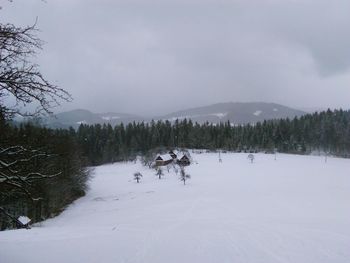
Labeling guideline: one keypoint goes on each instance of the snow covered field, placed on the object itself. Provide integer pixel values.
(295, 209)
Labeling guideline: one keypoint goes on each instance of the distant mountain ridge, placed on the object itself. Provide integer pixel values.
(74, 118)
(235, 112)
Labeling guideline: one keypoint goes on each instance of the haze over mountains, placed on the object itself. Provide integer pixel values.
(236, 113)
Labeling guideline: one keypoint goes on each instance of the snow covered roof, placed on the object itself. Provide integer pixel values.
(24, 220)
(184, 157)
(165, 157)
(174, 152)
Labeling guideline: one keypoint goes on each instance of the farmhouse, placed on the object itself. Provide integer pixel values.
(184, 160)
(173, 154)
(164, 159)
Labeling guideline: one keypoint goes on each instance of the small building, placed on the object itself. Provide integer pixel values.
(184, 160)
(164, 159)
(174, 154)
(23, 222)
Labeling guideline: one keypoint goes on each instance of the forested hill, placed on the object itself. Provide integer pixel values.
(327, 131)
(235, 112)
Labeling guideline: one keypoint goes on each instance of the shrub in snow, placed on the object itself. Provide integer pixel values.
(168, 167)
(184, 176)
(159, 172)
(137, 177)
(251, 157)
(176, 170)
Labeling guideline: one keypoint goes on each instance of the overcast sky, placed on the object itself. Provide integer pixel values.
(152, 56)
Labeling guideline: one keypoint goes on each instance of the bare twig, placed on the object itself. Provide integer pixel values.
(21, 79)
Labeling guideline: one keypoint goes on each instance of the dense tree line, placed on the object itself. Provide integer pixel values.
(41, 172)
(40, 169)
(327, 131)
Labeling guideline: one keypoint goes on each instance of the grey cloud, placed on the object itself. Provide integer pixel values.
(322, 28)
(149, 56)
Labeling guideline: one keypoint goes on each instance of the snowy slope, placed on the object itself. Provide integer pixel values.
(295, 209)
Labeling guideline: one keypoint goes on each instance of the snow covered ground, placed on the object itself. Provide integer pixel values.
(295, 209)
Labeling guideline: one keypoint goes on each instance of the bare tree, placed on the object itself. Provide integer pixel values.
(183, 176)
(251, 157)
(15, 170)
(326, 153)
(137, 177)
(20, 79)
(19, 175)
(21, 82)
(175, 167)
(159, 172)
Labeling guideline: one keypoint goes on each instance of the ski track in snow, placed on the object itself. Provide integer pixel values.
(292, 210)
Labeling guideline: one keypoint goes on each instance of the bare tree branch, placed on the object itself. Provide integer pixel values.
(20, 79)
(16, 171)
(22, 84)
